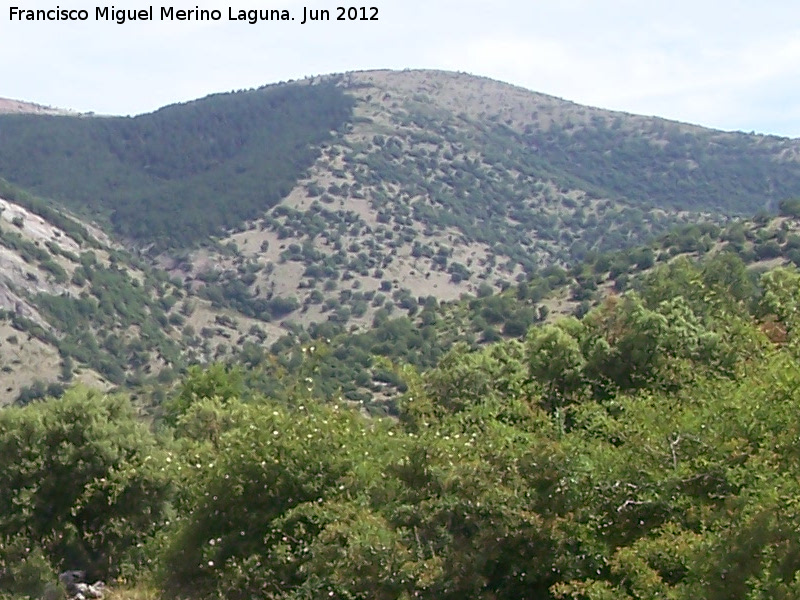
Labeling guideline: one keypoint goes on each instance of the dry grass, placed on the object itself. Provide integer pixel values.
(19, 107)
(140, 592)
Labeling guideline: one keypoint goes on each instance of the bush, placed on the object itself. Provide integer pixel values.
(270, 462)
(83, 477)
(24, 570)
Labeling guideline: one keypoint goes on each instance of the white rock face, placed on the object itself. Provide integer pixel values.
(17, 275)
(34, 227)
(84, 590)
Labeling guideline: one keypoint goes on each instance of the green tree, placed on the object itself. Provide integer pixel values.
(215, 381)
(782, 297)
(556, 361)
(84, 479)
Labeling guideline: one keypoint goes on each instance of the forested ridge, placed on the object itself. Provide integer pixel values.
(647, 449)
(160, 178)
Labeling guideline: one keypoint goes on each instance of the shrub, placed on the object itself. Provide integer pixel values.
(83, 477)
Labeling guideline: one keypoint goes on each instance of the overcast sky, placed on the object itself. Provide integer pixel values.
(732, 65)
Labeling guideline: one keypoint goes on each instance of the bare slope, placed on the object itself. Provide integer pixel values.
(9, 106)
(75, 307)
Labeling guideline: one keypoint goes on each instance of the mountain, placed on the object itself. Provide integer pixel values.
(335, 203)
(443, 183)
(217, 162)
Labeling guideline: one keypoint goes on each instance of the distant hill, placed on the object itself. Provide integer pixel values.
(480, 152)
(444, 183)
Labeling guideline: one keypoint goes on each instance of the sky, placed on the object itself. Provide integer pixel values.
(732, 65)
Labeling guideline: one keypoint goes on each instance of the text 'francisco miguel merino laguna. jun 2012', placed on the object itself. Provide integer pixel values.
(121, 16)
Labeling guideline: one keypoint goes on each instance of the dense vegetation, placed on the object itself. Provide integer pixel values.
(668, 165)
(160, 177)
(645, 450)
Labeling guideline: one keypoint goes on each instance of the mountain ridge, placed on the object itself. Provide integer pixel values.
(10, 104)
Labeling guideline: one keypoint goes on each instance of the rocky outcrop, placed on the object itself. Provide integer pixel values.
(77, 588)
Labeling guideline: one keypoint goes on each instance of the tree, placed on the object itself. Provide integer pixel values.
(782, 297)
(216, 381)
(556, 361)
(790, 207)
(464, 378)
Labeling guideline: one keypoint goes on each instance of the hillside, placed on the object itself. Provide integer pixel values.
(77, 307)
(370, 366)
(310, 209)
(445, 183)
(180, 174)
(245, 150)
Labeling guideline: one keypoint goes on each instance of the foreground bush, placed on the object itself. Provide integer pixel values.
(83, 478)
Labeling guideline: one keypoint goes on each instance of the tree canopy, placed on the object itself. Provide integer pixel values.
(647, 449)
